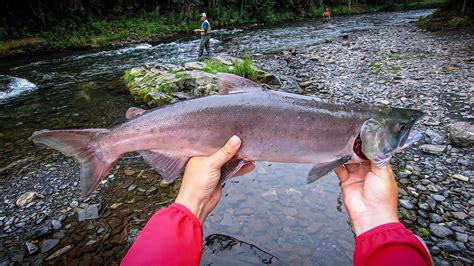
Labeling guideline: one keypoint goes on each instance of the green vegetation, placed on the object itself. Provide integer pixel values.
(454, 15)
(395, 69)
(245, 68)
(71, 24)
(215, 66)
(165, 87)
(128, 78)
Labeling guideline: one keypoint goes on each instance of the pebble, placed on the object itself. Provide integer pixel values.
(459, 215)
(48, 244)
(56, 224)
(448, 245)
(461, 177)
(129, 172)
(406, 204)
(433, 149)
(91, 212)
(435, 218)
(464, 238)
(440, 231)
(438, 198)
(31, 248)
(25, 198)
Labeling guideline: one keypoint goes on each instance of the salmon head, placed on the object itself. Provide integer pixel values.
(388, 131)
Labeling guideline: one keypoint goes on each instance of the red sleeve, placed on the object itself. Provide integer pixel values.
(173, 236)
(390, 244)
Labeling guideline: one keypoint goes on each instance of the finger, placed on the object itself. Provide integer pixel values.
(342, 173)
(385, 171)
(247, 168)
(225, 153)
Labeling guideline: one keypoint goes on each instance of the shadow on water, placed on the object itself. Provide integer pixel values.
(222, 249)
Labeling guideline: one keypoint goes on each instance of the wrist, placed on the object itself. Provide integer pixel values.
(367, 221)
(194, 206)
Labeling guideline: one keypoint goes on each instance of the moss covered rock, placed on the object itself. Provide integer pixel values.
(158, 84)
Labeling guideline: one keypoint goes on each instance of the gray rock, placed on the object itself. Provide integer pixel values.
(406, 204)
(25, 198)
(423, 205)
(459, 215)
(438, 198)
(433, 149)
(434, 250)
(31, 248)
(448, 245)
(461, 237)
(59, 252)
(56, 224)
(41, 232)
(440, 231)
(461, 134)
(435, 218)
(48, 244)
(433, 137)
(91, 212)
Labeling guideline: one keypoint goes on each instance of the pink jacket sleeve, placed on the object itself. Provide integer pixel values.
(173, 236)
(390, 244)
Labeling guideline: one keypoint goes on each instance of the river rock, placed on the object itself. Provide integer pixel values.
(59, 252)
(56, 224)
(448, 245)
(464, 238)
(48, 244)
(459, 215)
(461, 177)
(440, 231)
(25, 198)
(435, 218)
(461, 134)
(91, 212)
(433, 137)
(406, 204)
(433, 149)
(31, 248)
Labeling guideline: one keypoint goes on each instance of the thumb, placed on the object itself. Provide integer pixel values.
(225, 153)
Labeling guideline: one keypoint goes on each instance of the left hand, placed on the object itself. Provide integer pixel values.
(200, 191)
(196, 30)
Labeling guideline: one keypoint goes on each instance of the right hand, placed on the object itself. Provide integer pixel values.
(370, 195)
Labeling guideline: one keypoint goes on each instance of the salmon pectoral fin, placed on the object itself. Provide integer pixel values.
(83, 146)
(229, 169)
(232, 84)
(322, 169)
(169, 166)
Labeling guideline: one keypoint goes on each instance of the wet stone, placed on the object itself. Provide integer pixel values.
(56, 224)
(440, 231)
(433, 149)
(89, 213)
(129, 172)
(31, 248)
(438, 198)
(406, 204)
(434, 250)
(48, 244)
(25, 198)
(448, 245)
(459, 215)
(464, 238)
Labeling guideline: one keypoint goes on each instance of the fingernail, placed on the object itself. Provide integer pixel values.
(234, 141)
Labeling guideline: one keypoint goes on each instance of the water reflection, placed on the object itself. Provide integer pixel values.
(274, 209)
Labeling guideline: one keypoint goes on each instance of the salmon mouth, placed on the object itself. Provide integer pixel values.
(357, 148)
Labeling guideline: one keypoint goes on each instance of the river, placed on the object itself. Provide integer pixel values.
(280, 218)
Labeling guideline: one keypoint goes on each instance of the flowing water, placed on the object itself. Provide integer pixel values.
(279, 218)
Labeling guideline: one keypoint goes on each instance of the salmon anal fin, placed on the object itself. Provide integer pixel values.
(232, 84)
(322, 169)
(169, 167)
(134, 112)
(229, 169)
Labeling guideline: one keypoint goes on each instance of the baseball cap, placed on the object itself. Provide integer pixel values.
(202, 14)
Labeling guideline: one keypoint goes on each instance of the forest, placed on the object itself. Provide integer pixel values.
(76, 24)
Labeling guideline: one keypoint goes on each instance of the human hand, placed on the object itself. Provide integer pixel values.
(370, 195)
(196, 30)
(200, 191)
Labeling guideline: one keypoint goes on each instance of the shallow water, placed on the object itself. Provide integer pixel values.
(272, 208)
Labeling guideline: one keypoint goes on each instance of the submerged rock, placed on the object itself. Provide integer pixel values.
(25, 198)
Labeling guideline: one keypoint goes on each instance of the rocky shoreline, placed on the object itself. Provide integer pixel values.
(400, 66)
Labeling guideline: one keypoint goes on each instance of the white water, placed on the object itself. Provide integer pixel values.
(12, 86)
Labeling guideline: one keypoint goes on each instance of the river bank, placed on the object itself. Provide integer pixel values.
(272, 208)
(153, 27)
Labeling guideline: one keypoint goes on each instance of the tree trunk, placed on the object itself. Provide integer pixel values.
(463, 10)
(349, 4)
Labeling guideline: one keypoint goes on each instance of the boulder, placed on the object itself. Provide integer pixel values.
(461, 134)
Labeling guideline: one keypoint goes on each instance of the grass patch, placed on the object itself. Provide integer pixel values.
(178, 74)
(128, 78)
(216, 66)
(393, 57)
(395, 69)
(165, 87)
(245, 68)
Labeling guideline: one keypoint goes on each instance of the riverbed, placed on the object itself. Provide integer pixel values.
(269, 215)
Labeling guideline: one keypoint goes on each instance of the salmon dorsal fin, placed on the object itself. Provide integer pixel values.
(232, 84)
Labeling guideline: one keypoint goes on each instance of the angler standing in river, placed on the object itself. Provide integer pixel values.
(205, 31)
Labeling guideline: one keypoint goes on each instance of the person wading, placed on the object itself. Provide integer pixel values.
(205, 31)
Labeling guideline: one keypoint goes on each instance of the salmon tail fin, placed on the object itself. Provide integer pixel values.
(83, 146)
